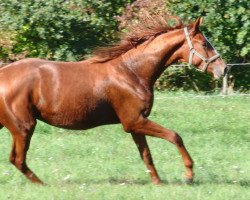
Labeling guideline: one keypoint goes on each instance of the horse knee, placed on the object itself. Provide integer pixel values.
(27, 126)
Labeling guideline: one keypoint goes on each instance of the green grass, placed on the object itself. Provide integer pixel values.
(103, 163)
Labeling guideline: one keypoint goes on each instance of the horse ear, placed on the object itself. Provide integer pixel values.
(198, 23)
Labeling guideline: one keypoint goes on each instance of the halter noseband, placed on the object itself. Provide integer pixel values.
(192, 50)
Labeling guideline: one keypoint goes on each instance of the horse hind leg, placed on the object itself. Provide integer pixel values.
(21, 134)
(141, 143)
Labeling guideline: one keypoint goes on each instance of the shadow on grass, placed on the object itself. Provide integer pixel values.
(243, 183)
(117, 181)
(139, 182)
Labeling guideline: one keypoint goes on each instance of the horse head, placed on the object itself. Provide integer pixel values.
(199, 52)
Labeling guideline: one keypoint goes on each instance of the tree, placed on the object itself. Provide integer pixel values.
(58, 29)
(227, 24)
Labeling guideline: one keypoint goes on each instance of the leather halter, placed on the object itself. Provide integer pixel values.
(192, 50)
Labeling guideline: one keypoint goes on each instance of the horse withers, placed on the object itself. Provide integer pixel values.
(114, 86)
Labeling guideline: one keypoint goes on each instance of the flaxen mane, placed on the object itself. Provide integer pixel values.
(146, 29)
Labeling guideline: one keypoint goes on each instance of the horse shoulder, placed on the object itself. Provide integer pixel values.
(130, 99)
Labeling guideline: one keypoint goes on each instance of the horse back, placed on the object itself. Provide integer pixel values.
(68, 95)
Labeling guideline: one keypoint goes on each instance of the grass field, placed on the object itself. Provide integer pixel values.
(103, 163)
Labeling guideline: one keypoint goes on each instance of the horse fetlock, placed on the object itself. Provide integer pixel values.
(12, 160)
(176, 139)
(21, 165)
(156, 180)
(189, 164)
(189, 175)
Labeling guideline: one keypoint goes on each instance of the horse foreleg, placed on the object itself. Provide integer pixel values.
(20, 146)
(146, 127)
(145, 154)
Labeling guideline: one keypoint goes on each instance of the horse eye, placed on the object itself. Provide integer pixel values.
(204, 44)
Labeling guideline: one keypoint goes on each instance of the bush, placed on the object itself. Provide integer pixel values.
(58, 29)
(227, 24)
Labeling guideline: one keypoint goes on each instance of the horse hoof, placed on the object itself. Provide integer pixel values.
(189, 181)
(157, 182)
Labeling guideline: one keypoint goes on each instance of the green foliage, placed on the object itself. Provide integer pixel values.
(57, 29)
(187, 78)
(226, 24)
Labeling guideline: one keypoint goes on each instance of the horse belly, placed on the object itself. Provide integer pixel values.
(81, 118)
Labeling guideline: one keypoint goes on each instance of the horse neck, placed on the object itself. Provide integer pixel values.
(149, 60)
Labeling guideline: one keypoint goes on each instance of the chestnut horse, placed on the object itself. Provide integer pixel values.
(115, 86)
